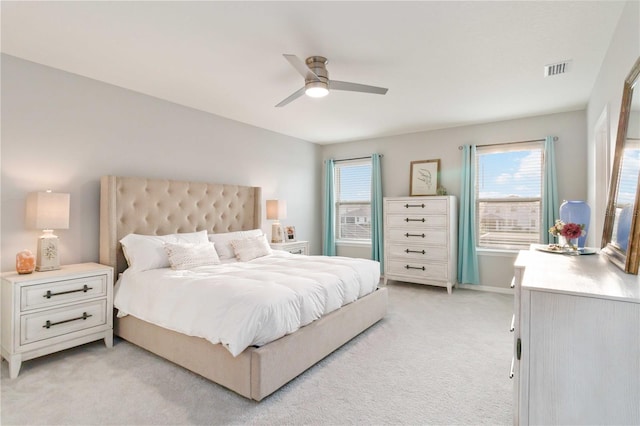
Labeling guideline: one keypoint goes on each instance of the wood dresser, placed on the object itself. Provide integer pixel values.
(576, 332)
(420, 240)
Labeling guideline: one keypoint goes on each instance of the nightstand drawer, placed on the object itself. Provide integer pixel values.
(58, 292)
(56, 322)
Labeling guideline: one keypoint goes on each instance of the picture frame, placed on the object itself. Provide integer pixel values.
(289, 234)
(424, 177)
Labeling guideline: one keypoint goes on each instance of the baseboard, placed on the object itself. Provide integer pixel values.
(488, 288)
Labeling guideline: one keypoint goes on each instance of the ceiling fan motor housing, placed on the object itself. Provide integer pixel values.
(317, 64)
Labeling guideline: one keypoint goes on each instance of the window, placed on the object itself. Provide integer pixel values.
(509, 195)
(353, 200)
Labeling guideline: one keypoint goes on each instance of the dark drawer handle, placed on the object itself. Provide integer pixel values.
(50, 324)
(296, 252)
(83, 289)
(406, 206)
(414, 235)
(415, 251)
(414, 220)
(413, 267)
(518, 349)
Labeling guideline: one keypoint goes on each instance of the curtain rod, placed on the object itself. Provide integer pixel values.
(355, 158)
(555, 138)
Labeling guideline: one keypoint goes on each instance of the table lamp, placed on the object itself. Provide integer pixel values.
(276, 210)
(47, 211)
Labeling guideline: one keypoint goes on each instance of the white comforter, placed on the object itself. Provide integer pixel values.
(240, 304)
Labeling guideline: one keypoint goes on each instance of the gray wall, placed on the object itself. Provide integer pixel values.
(496, 268)
(62, 131)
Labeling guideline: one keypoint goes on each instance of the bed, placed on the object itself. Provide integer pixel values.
(159, 207)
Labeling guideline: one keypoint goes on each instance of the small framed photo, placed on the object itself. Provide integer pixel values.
(424, 177)
(289, 234)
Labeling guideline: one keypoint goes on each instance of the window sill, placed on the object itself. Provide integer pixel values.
(497, 252)
(353, 243)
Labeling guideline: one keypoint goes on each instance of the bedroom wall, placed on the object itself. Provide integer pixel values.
(496, 267)
(63, 131)
(605, 101)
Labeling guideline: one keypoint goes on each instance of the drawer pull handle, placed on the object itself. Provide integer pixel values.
(84, 289)
(511, 373)
(415, 251)
(518, 349)
(414, 235)
(513, 323)
(414, 220)
(50, 324)
(296, 252)
(414, 267)
(406, 206)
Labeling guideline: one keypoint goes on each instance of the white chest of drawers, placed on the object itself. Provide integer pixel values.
(576, 341)
(420, 240)
(45, 312)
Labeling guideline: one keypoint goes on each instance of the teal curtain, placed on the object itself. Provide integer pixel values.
(467, 256)
(377, 249)
(550, 205)
(329, 237)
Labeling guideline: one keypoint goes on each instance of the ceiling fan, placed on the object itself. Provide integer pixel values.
(316, 80)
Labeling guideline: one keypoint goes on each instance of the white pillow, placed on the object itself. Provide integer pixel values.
(147, 251)
(223, 241)
(187, 255)
(251, 248)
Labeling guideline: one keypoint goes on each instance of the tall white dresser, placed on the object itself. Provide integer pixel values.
(576, 356)
(420, 240)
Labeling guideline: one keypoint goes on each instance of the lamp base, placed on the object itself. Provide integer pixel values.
(277, 236)
(47, 257)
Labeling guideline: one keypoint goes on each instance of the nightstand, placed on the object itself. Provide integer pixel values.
(297, 247)
(46, 312)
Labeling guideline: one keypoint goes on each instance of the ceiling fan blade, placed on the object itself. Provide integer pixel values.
(295, 95)
(301, 67)
(355, 87)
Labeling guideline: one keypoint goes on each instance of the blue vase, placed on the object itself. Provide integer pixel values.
(576, 212)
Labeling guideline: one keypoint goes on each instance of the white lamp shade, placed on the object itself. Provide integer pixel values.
(276, 209)
(47, 210)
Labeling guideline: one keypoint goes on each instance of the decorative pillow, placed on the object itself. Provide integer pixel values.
(223, 241)
(145, 252)
(251, 248)
(187, 256)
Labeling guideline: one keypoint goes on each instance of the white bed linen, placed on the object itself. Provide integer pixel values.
(240, 304)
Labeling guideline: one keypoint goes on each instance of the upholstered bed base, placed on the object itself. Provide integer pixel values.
(258, 372)
(158, 207)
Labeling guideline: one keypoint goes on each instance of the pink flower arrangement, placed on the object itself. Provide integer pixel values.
(568, 230)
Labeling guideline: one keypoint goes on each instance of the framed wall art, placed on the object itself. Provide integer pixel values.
(424, 177)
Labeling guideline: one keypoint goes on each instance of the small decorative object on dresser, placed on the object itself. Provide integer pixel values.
(46, 312)
(420, 240)
(424, 177)
(289, 234)
(298, 247)
(25, 262)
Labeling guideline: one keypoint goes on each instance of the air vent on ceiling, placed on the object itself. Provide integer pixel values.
(555, 69)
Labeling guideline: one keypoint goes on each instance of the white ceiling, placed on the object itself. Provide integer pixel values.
(446, 64)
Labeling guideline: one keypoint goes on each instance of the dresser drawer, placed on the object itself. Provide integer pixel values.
(418, 236)
(63, 291)
(404, 252)
(434, 206)
(415, 221)
(423, 270)
(56, 322)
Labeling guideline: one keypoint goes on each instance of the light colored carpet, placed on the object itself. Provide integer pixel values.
(435, 359)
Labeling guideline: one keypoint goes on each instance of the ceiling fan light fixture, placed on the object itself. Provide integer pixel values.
(316, 89)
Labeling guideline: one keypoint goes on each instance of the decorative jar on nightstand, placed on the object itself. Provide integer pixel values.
(297, 247)
(46, 312)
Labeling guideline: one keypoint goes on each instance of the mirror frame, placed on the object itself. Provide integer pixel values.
(627, 261)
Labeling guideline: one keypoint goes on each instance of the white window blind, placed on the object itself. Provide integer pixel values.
(509, 195)
(353, 200)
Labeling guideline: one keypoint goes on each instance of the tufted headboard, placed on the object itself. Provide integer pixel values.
(160, 206)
